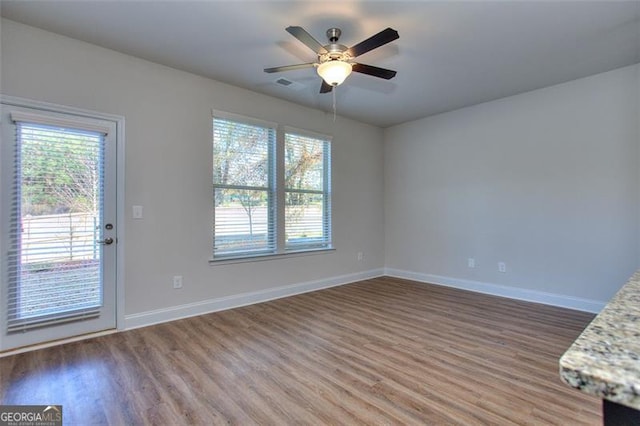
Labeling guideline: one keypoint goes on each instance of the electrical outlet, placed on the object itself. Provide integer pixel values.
(502, 267)
(177, 281)
(471, 262)
(360, 256)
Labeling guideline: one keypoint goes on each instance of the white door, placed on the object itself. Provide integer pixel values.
(59, 230)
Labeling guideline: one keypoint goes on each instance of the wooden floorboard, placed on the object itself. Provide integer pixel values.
(381, 351)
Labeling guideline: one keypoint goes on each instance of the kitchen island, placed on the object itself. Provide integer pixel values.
(605, 359)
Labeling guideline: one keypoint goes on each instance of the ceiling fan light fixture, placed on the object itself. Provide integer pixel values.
(334, 72)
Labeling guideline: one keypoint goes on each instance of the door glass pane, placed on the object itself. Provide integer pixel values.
(55, 267)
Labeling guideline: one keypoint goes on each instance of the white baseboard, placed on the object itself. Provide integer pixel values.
(157, 316)
(563, 301)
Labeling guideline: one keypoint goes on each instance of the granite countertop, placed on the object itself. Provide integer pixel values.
(605, 359)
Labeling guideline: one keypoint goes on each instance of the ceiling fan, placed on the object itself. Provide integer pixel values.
(335, 61)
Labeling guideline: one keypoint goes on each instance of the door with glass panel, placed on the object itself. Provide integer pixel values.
(58, 225)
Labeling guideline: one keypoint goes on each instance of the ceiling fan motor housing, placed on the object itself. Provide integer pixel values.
(333, 34)
(334, 51)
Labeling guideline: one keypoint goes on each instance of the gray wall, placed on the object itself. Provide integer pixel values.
(169, 168)
(545, 181)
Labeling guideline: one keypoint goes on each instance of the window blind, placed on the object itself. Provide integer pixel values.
(307, 192)
(54, 259)
(243, 182)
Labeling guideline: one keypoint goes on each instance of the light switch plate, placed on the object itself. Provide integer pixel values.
(137, 212)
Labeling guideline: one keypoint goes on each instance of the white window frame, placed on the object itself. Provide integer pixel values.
(278, 216)
(269, 189)
(326, 190)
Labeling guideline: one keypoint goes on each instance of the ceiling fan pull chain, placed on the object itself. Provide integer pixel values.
(334, 102)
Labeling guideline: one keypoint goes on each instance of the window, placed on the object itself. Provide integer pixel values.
(307, 205)
(271, 187)
(243, 188)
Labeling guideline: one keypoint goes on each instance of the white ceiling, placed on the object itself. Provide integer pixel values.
(449, 55)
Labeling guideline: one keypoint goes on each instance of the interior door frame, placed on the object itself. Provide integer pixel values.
(120, 199)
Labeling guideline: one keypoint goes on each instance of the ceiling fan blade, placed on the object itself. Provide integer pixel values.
(374, 71)
(289, 67)
(380, 39)
(306, 38)
(325, 88)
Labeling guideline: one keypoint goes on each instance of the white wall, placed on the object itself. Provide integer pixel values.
(169, 162)
(545, 181)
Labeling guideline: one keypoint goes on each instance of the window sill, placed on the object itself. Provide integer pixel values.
(270, 256)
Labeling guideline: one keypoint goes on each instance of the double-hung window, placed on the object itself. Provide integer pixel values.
(271, 189)
(243, 182)
(307, 181)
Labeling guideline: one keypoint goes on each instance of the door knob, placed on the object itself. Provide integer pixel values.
(106, 241)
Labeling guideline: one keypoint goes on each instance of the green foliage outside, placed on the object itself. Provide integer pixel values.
(60, 171)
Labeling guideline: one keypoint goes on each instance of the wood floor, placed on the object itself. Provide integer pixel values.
(382, 351)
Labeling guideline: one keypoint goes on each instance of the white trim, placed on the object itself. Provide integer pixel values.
(38, 346)
(172, 313)
(270, 256)
(307, 133)
(56, 108)
(58, 120)
(569, 302)
(120, 218)
(243, 119)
